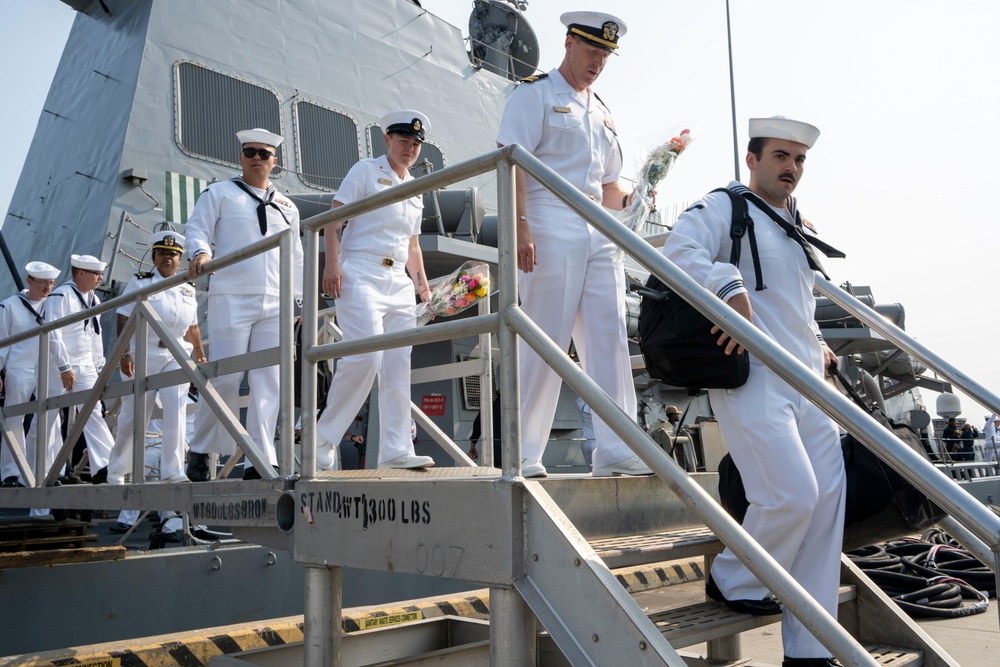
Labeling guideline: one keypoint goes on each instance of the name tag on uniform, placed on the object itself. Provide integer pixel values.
(561, 109)
(385, 181)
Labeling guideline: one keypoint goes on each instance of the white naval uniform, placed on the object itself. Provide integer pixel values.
(577, 289)
(991, 440)
(178, 308)
(787, 450)
(242, 308)
(374, 299)
(78, 346)
(21, 362)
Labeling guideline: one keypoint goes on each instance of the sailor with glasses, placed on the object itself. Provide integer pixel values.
(243, 298)
(19, 313)
(77, 352)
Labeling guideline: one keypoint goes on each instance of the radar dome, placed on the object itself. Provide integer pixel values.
(948, 405)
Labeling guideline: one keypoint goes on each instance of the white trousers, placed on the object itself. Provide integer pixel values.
(576, 291)
(18, 387)
(789, 455)
(990, 451)
(374, 299)
(174, 403)
(238, 324)
(98, 435)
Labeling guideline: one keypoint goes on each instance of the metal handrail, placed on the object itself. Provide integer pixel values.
(515, 323)
(910, 345)
(191, 372)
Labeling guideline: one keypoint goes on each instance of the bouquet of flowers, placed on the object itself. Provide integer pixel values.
(658, 162)
(455, 292)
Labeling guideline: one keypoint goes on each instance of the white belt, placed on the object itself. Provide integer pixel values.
(387, 262)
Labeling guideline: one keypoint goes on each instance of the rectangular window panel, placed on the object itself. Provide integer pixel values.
(212, 107)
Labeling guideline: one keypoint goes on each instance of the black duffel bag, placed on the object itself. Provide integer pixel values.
(880, 503)
(678, 346)
(676, 340)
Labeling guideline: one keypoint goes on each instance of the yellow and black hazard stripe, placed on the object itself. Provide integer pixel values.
(196, 648)
(649, 577)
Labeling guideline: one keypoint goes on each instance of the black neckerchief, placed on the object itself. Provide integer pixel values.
(794, 232)
(262, 204)
(86, 306)
(39, 316)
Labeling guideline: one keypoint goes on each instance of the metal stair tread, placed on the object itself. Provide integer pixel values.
(627, 550)
(691, 624)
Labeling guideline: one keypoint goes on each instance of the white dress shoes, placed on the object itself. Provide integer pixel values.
(407, 462)
(172, 479)
(532, 468)
(327, 455)
(114, 479)
(630, 466)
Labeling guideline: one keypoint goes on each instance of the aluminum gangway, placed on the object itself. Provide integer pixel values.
(536, 554)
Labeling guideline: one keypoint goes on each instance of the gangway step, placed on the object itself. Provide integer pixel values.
(629, 550)
(699, 622)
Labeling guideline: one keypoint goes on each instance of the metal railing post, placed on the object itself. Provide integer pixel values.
(139, 398)
(510, 393)
(42, 416)
(308, 392)
(286, 355)
(486, 434)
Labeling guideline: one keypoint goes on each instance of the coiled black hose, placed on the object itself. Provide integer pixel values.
(928, 578)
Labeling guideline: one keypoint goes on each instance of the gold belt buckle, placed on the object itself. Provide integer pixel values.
(387, 261)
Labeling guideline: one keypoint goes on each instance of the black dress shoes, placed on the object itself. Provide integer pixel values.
(119, 528)
(765, 607)
(197, 467)
(11, 482)
(100, 477)
(809, 662)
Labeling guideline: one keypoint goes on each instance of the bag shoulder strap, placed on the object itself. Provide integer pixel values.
(740, 226)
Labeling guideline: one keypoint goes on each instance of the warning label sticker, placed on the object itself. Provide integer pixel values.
(390, 619)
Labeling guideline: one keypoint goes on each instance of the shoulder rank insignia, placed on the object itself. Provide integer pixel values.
(534, 77)
(144, 274)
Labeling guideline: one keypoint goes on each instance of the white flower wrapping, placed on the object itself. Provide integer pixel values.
(657, 164)
(453, 293)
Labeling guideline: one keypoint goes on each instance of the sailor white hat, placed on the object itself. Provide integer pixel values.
(42, 271)
(259, 135)
(88, 262)
(779, 127)
(406, 121)
(167, 239)
(598, 28)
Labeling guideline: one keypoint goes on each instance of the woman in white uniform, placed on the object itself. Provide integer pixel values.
(178, 309)
(365, 274)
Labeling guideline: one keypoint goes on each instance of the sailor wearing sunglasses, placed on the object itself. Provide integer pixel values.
(243, 299)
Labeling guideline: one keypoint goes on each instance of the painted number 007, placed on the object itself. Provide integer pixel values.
(432, 560)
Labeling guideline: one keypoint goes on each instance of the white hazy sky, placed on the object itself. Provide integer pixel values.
(904, 92)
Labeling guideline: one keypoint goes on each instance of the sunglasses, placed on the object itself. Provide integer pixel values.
(262, 153)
